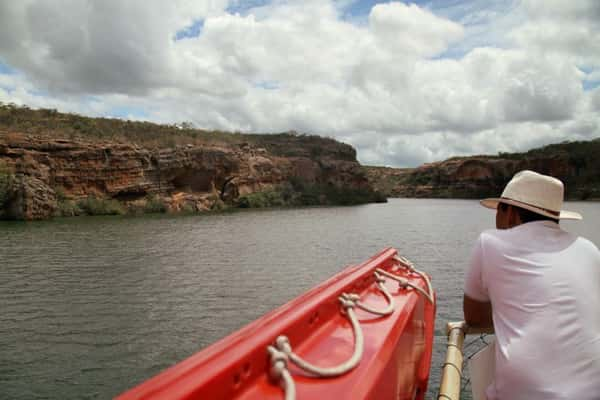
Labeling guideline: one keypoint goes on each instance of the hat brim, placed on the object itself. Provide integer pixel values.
(493, 204)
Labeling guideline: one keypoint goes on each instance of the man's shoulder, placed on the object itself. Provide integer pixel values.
(511, 237)
(532, 235)
(587, 244)
(494, 235)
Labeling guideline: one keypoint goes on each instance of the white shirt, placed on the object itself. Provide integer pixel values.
(544, 286)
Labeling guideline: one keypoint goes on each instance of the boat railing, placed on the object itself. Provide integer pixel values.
(451, 382)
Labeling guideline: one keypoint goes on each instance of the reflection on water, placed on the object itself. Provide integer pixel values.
(92, 306)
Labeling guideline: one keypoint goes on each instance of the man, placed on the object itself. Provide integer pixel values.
(538, 286)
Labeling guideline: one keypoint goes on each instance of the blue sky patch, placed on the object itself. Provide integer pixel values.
(242, 7)
(590, 85)
(5, 69)
(360, 8)
(268, 85)
(125, 112)
(192, 31)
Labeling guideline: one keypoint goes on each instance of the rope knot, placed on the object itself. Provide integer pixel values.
(283, 344)
(279, 359)
(349, 300)
(403, 283)
(277, 355)
(406, 263)
(379, 278)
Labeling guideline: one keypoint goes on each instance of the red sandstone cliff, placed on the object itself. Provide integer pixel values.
(47, 169)
(575, 163)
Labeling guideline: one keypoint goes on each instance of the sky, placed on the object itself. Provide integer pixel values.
(404, 83)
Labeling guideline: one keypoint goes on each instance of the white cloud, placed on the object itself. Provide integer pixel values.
(566, 28)
(386, 86)
(411, 30)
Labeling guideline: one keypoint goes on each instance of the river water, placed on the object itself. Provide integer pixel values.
(91, 306)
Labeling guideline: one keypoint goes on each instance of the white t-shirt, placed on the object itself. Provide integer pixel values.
(544, 286)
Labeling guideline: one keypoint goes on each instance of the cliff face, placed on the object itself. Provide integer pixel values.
(576, 164)
(48, 172)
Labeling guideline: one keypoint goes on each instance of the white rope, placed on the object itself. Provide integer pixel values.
(282, 352)
(279, 372)
(282, 344)
(404, 283)
(411, 267)
(379, 280)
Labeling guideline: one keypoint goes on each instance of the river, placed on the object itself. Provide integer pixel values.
(91, 306)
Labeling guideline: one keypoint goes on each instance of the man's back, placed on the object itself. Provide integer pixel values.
(544, 286)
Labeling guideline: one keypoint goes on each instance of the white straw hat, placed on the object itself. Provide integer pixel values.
(535, 192)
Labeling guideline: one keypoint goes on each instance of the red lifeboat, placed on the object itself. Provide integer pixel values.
(368, 332)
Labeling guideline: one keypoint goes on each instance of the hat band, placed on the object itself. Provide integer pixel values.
(557, 213)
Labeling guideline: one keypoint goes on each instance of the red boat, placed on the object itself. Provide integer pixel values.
(366, 333)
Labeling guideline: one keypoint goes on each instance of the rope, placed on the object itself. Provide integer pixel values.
(404, 283)
(379, 280)
(281, 353)
(279, 372)
(282, 343)
(411, 267)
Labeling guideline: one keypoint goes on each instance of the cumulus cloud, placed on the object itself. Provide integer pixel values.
(567, 28)
(406, 86)
(97, 46)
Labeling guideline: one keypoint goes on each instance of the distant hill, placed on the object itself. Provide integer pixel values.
(577, 164)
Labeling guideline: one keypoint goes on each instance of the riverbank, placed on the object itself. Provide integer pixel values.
(54, 164)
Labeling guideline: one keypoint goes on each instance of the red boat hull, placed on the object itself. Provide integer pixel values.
(394, 365)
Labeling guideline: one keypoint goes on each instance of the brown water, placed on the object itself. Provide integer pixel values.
(92, 306)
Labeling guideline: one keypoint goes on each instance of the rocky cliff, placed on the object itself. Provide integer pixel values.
(575, 163)
(51, 171)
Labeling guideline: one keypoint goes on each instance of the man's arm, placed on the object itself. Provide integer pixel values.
(478, 314)
(477, 307)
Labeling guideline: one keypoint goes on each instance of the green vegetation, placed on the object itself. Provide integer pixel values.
(154, 205)
(269, 198)
(51, 122)
(68, 208)
(576, 149)
(93, 205)
(300, 193)
(65, 125)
